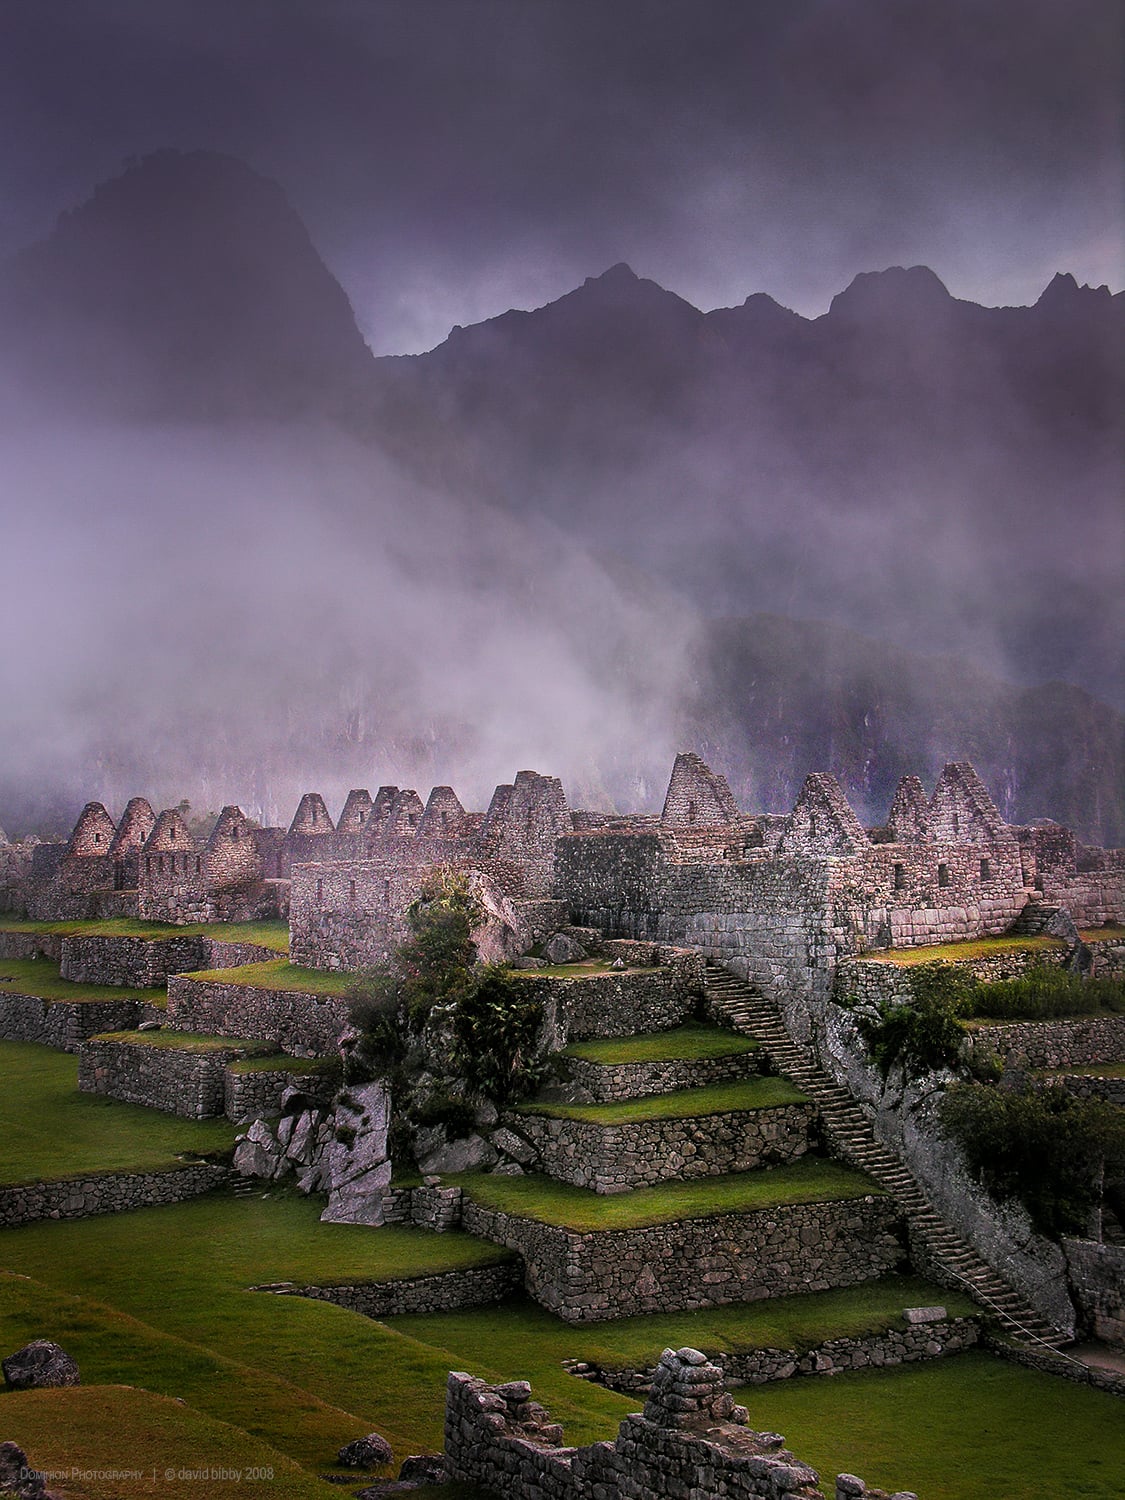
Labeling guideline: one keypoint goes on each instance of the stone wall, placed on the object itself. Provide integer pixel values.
(303, 1025)
(873, 982)
(106, 1193)
(256, 1093)
(138, 1070)
(1092, 1086)
(448, 1291)
(66, 1024)
(31, 945)
(609, 1083)
(618, 1158)
(1097, 1279)
(617, 1004)
(142, 963)
(895, 1346)
(1057, 1044)
(690, 1441)
(736, 1257)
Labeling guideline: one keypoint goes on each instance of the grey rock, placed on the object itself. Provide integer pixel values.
(39, 1364)
(423, 1468)
(466, 1155)
(370, 1452)
(513, 1145)
(562, 949)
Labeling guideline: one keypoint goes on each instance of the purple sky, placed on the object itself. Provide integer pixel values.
(453, 159)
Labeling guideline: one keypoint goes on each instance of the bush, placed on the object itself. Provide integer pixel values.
(453, 1114)
(1043, 1146)
(496, 1027)
(1046, 991)
(924, 1032)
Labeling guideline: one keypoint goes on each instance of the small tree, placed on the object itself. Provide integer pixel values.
(496, 1027)
(924, 1032)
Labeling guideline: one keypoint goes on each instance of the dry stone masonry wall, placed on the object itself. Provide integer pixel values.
(611, 1083)
(106, 1193)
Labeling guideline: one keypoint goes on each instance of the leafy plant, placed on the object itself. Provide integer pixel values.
(924, 1032)
(496, 1027)
(1041, 1145)
(1046, 991)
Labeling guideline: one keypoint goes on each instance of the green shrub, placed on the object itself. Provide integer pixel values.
(452, 1113)
(924, 1032)
(1046, 991)
(1047, 1148)
(496, 1026)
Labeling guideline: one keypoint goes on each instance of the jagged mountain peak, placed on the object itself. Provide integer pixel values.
(875, 296)
(186, 285)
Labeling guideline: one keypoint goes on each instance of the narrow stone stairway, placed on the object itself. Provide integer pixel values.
(733, 1002)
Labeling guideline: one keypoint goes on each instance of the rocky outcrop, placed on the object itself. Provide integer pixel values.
(38, 1365)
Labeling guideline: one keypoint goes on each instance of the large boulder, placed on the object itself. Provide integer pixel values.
(563, 949)
(503, 932)
(439, 1156)
(355, 1162)
(39, 1364)
(370, 1452)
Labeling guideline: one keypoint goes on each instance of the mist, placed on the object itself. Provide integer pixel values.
(245, 616)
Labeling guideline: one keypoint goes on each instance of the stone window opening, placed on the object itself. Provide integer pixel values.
(985, 870)
(445, 820)
(234, 831)
(943, 875)
(97, 838)
(900, 877)
(319, 892)
(412, 819)
(161, 864)
(691, 812)
(351, 889)
(386, 893)
(198, 864)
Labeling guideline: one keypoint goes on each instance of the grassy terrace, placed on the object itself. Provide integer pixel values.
(1110, 933)
(266, 934)
(281, 1062)
(41, 978)
(811, 1180)
(182, 1041)
(690, 1043)
(50, 1131)
(587, 969)
(1096, 1070)
(280, 974)
(951, 952)
(684, 1104)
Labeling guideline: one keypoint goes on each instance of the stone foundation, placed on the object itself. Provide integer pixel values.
(139, 1071)
(256, 1095)
(618, 1158)
(1097, 1280)
(1072, 1043)
(481, 1286)
(146, 963)
(736, 1257)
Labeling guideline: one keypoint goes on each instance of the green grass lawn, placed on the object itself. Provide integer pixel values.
(156, 1299)
(684, 1104)
(51, 1131)
(1096, 1070)
(952, 952)
(969, 1428)
(810, 1180)
(689, 1043)
(1110, 933)
(183, 1041)
(589, 968)
(266, 934)
(280, 974)
(41, 978)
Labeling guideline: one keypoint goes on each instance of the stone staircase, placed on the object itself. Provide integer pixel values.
(734, 1003)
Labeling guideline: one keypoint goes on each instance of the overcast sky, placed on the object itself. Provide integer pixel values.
(453, 158)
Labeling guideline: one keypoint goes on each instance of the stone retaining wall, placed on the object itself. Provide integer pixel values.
(303, 1025)
(1052, 1363)
(142, 963)
(610, 1083)
(640, 1153)
(618, 1004)
(448, 1291)
(735, 1257)
(871, 982)
(1087, 1086)
(179, 1082)
(66, 1024)
(256, 1095)
(31, 945)
(895, 1346)
(106, 1193)
(1097, 1279)
(1072, 1043)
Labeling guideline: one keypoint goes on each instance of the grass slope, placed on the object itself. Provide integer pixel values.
(810, 1180)
(684, 1104)
(183, 1041)
(51, 1131)
(952, 952)
(265, 934)
(689, 1043)
(41, 978)
(280, 974)
(970, 1428)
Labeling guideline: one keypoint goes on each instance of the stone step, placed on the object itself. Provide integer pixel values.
(742, 1007)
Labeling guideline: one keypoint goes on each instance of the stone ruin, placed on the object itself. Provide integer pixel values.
(691, 1439)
